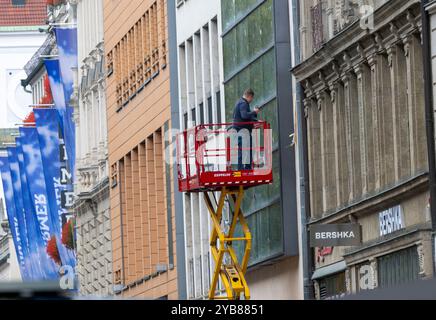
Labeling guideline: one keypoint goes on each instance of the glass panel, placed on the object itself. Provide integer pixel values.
(243, 54)
(232, 94)
(260, 76)
(229, 53)
(266, 23)
(233, 10)
(248, 39)
(269, 114)
(266, 229)
(218, 106)
(269, 75)
(201, 106)
(228, 13)
(210, 109)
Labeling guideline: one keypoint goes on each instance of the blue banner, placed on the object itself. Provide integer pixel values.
(67, 44)
(65, 113)
(19, 207)
(48, 133)
(66, 39)
(32, 228)
(12, 214)
(38, 192)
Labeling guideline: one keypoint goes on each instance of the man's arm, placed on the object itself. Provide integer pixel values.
(246, 114)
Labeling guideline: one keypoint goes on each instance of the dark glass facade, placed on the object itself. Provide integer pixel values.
(250, 62)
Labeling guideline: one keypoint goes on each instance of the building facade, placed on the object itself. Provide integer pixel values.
(141, 179)
(9, 268)
(361, 73)
(92, 202)
(256, 49)
(199, 93)
(19, 39)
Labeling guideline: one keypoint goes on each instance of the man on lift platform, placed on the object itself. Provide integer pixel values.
(242, 116)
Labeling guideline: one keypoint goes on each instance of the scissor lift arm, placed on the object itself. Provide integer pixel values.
(232, 274)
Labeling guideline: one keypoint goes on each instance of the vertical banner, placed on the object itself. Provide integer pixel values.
(12, 213)
(67, 44)
(20, 223)
(56, 177)
(38, 192)
(65, 113)
(67, 48)
(34, 235)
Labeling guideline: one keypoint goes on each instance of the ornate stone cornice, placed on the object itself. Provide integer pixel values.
(344, 44)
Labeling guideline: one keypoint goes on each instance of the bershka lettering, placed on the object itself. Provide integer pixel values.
(42, 215)
(335, 235)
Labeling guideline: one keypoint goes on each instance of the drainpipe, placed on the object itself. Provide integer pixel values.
(429, 115)
(306, 251)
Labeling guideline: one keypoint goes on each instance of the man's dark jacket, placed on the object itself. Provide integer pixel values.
(243, 113)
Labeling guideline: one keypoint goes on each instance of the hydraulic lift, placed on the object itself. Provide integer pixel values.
(207, 162)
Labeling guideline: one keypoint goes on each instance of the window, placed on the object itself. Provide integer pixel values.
(210, 109)
(389, 274)
(18, 3)
(135, 60)
(185, 120)
(235, 9)
(248, 39)
(218, 106)
(260, 76)
(317, 26)
(201, 107)
(332, 286)
(254, 66)
(193, 117)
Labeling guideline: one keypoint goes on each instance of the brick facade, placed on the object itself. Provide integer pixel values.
(138, 109)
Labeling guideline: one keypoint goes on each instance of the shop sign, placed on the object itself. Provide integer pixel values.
(335, 235)
(391, 220)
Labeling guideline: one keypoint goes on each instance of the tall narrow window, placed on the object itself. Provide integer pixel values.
(218, 106)
(210, 109)
(163, 33)
(201, 107)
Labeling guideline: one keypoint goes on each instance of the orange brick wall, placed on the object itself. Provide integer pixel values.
(136, 145)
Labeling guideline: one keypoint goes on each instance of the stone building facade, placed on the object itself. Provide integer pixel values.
(141, 173)
(199, 103)
(366, 141)
(92, 204)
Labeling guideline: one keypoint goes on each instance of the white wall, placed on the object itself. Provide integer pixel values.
(199, 82)
(194, 14)
(16, 49)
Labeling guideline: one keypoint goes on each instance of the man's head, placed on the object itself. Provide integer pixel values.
(249, 95)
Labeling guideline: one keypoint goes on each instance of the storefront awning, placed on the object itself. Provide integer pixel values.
(329, 270)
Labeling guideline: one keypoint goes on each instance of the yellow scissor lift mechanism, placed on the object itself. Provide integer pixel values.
(232, 273)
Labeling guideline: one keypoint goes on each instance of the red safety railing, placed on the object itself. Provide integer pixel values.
(215, 155)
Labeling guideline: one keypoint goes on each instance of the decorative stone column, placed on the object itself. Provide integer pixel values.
(373, 62)
(352, 129)
(339, 137)
(400, 131)
(366, 128)
(413, 53)
(314, 156)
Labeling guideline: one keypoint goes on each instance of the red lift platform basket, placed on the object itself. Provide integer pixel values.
(207, 156)
(226, 159)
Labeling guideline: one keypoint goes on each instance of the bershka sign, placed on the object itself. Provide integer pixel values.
(335, 235)
(391, 220)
